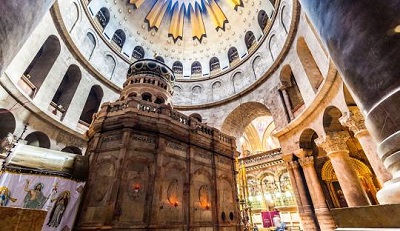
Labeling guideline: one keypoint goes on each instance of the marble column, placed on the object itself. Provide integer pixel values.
(305, 209)
(18, 20)
(334, 143)
(354, 120)
(322, 212)
(363, 39)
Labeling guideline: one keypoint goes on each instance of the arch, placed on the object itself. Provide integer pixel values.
(331, 120)
(119, 38)
(67, 88)
(160, 59)
(7, 123)
(307, 138)
(138, 52)
(196, 68)
(237, 81)
(92, 104)
(73, 13)
(235, 123)
(233, 54)
(214, 64)
(271, 44)
(110, 65)
(196, 116)
(249, 39)
(308, 62)
(89, 44)
(72, 149)
(103, 16)
(147, 96)
(262, 19)
(159, 100)
(197, 89)
(41, 64)
(38, 139)
(258, 69)
(284, 17)
(216, 93)
(289, 83)
(177, 68)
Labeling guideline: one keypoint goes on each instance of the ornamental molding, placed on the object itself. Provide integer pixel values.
(307, 162)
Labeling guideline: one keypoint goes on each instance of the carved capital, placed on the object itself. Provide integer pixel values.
(303, 152)
(292, 165)
(307, 162)
(333, 141)
(354, 120)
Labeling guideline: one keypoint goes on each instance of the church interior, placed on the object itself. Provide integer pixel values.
(200, 115)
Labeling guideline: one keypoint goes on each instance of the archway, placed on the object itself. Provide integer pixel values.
(7, 123)
(38, 139)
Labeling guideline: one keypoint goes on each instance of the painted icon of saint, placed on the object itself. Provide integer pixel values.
(60, 205)
(5, 196)
(34, 198)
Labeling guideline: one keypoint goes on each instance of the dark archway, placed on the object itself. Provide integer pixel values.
(38, 139)
(72, 149)
(119, 38)
(92, 104)
(103, 16)
(233, 54)
(214, 64)
(7, 123)
(177, 68)
(138, 52)
(249, 39)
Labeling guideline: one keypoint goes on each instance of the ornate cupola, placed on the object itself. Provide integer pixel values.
(150, 80)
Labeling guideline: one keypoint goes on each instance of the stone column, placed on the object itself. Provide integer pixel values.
(303, 204)
(362, 38)
(354, 120)
(322, 212)
(18, 20)
(286, 100)
(334, 143)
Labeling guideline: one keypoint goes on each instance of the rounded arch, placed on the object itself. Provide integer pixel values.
(146, 96)
(119, 38)
(67, 88)
(72, 149)
(271, 44)
(89, 44)
(110, 64)
(214, 64)
(38, 139)
(348, 98)
(92, 104)
(289, 83)
(232, 54)
(235, 123)
(41, 64)
(262, 19)
(249, 39)
(196, 116)
(7, 123)
(159, 59)
(103, 17)
(328, 173)
(196, 68)
(331, 120)
(306, 139)
(138, 52)
(177, 68)
(308, 62)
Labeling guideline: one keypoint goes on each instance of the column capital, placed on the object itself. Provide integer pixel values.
(307, 161)
(287, 157)
(303, 152)
(333, 141)
(292, 164)
(354, 120)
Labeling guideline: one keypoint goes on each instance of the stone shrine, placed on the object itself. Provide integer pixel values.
(153, 168)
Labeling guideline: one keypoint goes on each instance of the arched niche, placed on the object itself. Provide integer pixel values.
(262, 19)
(308, 62)
(88, 45)
(67, 88)
(177, 68)
(38, 139)
(233, 55)
(7, 123)
(92, 104)
(249, 39)
(331, 120)
(119, 38)
(291, 89)
(72, 149)
(40, 66)
(214, 64)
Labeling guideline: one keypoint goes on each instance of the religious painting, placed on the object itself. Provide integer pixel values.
(34, 198)
(60, 205)
(5, 196)
(204, 197)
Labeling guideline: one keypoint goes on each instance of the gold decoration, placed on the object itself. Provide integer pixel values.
(333, 141)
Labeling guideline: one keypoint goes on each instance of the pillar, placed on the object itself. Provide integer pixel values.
(286, 101)
(334, 143)
(304, 206)
(354, 120)
(322, 212)
(18, 20)
(363, 39)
